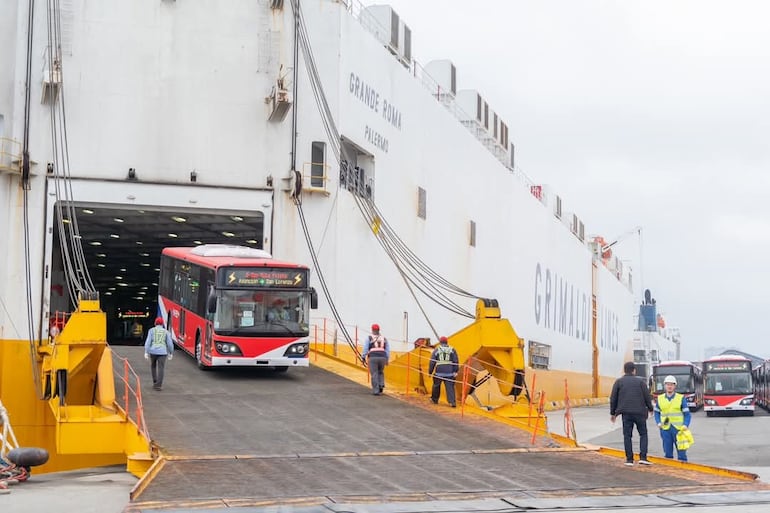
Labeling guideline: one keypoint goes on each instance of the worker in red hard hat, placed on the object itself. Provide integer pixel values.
(443, 366)
(157, 348)
(377, 349)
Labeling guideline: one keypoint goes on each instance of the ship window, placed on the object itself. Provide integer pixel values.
(478, 108)
(393, 30)
(494, 126)
(486, 115)
(317, 164)
(407, 43)
(539, 355)
(421, 203)
(473, 234)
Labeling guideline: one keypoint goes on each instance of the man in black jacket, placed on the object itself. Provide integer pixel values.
(631, 398)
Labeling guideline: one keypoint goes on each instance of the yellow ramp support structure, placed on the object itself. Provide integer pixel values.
(78, 421)
(491, 357)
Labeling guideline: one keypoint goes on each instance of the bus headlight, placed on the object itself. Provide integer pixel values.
(709, 402)
(297, 350)
(747, 402)
(227, 348)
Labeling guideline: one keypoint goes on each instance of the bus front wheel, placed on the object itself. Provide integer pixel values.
(199, 353)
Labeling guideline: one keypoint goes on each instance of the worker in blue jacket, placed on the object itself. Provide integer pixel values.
(157, 347)
(443, 366)
(377, 349)
(672, 415)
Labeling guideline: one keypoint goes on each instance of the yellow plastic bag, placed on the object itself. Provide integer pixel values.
(684, 439)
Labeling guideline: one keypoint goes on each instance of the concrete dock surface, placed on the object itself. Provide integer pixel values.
(445, 463)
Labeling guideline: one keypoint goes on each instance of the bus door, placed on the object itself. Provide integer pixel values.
(182, 298)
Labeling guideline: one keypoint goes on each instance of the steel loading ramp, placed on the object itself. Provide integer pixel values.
(251, 436)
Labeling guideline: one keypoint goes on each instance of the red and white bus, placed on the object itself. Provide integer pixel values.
(728, 385)
(689, 380)
(236, 306)
(761, 375)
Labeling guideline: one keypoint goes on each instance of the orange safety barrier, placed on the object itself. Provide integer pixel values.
(132, 393)
(529, 418)
(540, 411)
(466, 372)
(57, 323)
(569, 423)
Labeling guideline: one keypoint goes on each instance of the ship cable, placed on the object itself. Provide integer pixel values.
(297, 196)
(411, 277)
(418, 268)
(25, 198)
(73, 258)
(334, 137)
(409, 269)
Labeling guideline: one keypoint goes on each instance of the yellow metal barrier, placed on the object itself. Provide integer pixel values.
(79, 420)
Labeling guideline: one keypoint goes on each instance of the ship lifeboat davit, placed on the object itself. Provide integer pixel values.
(607, 253)
(28, 456)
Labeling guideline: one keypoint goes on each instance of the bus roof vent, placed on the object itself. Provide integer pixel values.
(229, 250)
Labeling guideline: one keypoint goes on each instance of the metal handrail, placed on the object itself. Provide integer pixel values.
(308, 177)
(131, 392)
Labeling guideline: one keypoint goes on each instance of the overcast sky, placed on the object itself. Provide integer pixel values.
(638, 113)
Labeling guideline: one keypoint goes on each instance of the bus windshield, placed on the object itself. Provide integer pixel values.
(245, 312)
(728, 383)
(685, 383)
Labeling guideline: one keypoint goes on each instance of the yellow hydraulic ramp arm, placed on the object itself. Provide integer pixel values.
(491, 357)
(78, 383)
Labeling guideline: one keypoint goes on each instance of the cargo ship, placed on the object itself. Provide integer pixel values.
(308, 130)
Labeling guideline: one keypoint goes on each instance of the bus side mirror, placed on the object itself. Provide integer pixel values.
(313, 299)
(211, 303)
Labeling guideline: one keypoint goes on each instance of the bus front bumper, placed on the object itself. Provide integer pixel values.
(242, 361)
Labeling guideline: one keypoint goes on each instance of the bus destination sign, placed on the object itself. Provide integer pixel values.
(251, 277)
(727, 366)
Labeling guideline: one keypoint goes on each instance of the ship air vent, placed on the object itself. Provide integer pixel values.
(51, 86)
(279, 101)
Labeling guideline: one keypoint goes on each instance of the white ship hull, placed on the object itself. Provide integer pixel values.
(172, 88)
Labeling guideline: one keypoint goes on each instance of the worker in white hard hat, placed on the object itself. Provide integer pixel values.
(672, 415)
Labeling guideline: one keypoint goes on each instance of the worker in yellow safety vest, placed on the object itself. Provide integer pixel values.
(672, 415)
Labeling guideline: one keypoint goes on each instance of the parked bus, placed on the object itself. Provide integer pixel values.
(689, 381)
(761, 376)
(728, 385)
(236, 306)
